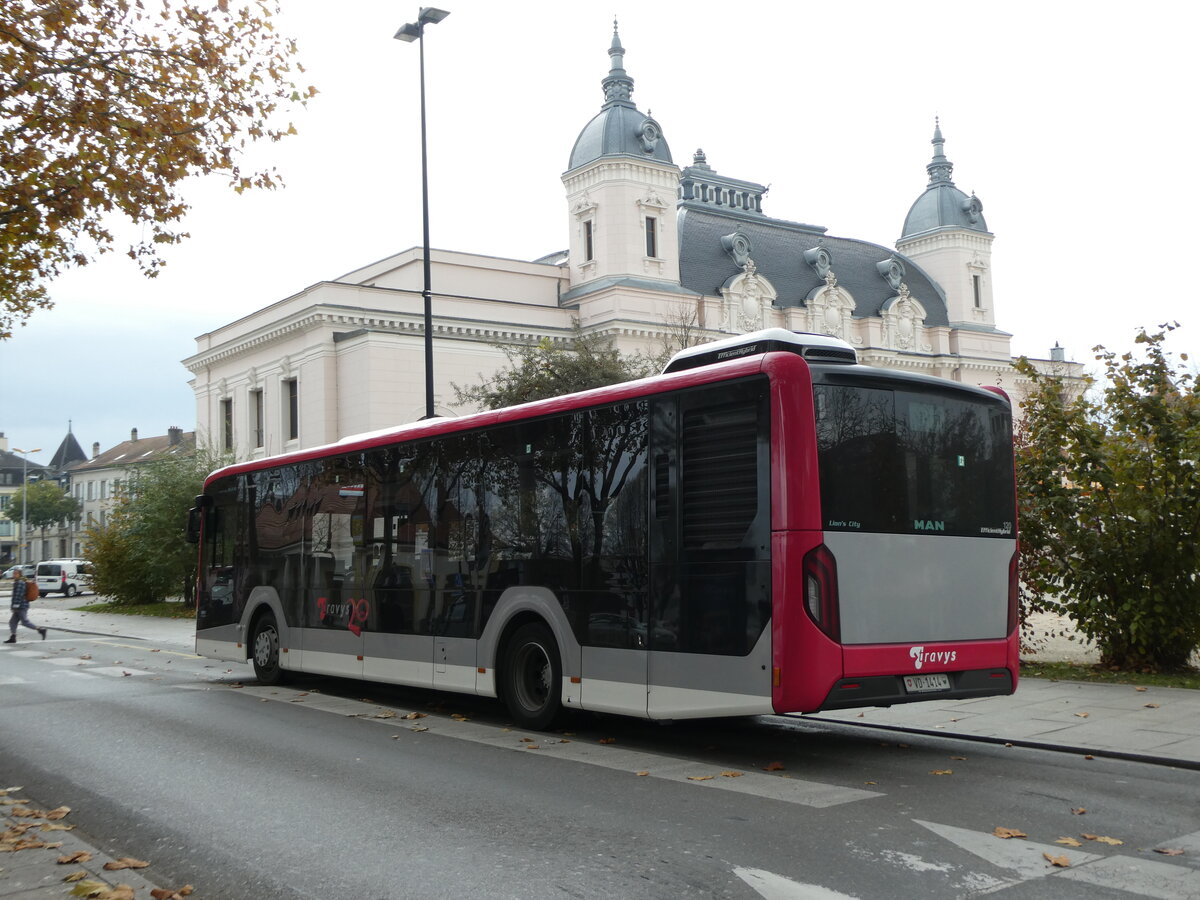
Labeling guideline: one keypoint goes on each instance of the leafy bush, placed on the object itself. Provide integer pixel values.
(1110, 505)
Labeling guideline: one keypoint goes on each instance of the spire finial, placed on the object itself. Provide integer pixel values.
(618, 86)
(940, 169)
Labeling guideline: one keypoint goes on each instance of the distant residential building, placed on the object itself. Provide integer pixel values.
(95, 483)
(12, 469)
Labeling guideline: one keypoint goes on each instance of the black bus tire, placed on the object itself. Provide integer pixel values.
(531, 677)
(265, 649)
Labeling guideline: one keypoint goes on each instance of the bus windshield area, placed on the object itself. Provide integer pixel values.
(911, 459)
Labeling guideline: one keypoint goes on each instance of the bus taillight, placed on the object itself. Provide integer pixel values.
(820, 590)
(1013, 577)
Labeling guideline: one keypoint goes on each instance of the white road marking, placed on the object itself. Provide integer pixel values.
(772, 787)
(1144, 877)
(148, 648)
(1023, 857)
(775, 887)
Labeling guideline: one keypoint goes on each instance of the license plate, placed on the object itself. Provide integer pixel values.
(919, 684)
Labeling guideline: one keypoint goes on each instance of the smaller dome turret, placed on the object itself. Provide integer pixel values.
(619, 129)
(942, 205)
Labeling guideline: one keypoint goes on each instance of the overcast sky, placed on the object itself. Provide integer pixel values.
(1072, 122)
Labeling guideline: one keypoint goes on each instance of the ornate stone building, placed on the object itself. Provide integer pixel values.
(651, 247)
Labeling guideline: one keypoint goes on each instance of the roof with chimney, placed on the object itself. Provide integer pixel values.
(138, 450)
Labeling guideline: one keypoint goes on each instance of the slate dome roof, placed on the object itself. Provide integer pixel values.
(619, 129)
(943, 205)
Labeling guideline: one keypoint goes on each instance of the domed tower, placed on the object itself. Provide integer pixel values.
(946, 233)
(621, 190)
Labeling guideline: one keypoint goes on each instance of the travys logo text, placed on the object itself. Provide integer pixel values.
(920, 656)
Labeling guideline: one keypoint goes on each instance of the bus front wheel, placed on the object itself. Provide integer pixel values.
(266, 650)
(532, 676)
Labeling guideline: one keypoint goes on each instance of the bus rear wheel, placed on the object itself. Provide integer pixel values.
(266, 650)
(531, 676)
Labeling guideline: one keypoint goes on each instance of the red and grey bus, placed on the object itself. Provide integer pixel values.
(766, 527)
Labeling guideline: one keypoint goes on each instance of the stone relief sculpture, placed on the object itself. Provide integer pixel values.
(830, 309)
(747, 298)
(904, 319)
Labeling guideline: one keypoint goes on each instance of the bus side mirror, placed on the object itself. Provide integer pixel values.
(193, 525)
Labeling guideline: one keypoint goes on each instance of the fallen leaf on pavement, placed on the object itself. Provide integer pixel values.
(79, 856)
(1061, 861)
(1083, 715)
(533, 746)
(1101, 839)
(1151, 706)
(1140, 689)
(773, 767)
(701, 777)
(1069, 842)
(89, 889)
(61, 813)
(386, 714)
(1078, 811)
(125, 862)
(732, 774)
(1169, 851)
(168, 894)
(76, 876)
(420, 728)
(416, 715)
(942, 772)
(642, 773)
(607, 741)
(1001, 832)
(459, 717)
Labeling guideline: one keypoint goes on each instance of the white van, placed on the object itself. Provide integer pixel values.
(64, 576)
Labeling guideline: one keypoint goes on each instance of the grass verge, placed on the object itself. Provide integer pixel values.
(166, 609)
(1062, 671)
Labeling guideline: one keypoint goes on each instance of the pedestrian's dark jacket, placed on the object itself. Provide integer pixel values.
(18, 594)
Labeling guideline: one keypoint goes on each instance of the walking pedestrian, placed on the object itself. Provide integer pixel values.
(22, 588)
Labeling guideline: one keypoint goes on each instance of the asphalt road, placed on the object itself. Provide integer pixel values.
(324, 789)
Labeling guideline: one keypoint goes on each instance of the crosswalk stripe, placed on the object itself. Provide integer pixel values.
(667, 768)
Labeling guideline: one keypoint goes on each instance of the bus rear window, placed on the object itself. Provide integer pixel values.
(914, 460)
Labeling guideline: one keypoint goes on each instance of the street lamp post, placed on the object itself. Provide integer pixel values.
(415, 31)
(25, 500)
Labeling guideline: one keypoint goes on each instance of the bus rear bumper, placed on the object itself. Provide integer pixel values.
(888, 690)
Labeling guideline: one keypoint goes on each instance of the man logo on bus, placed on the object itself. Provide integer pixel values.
(928, 525)
(920, 657)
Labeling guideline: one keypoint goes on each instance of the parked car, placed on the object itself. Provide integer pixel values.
(11, 573)
(64, 576)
